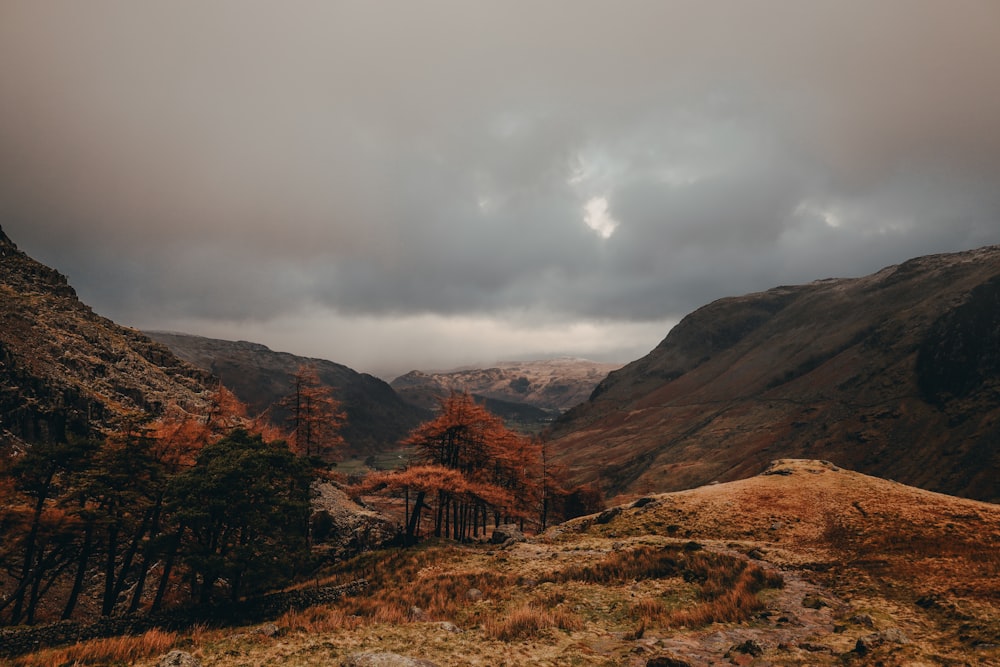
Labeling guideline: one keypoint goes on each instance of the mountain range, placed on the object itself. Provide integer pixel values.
(553, 385)
(896, 374)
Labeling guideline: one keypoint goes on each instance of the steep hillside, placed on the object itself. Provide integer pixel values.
(65, 370)
(376, 417)
(554, 385)
(896, 374)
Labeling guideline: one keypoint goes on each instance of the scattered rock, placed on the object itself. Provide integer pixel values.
(868, 643)
(667, 660)
(642, 502)
(417, 614)
(777, 525)
(384, 660)
(178, 659)
(815, 648)
(474, 595)
(607, 515)
(269, 630)
(448, 626)
(814, 602)
(863, 619)
(507, 532)
(749, 647)
(756, 554)
(894, 636)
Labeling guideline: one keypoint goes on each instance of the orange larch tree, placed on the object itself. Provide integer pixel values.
(491, 470)
(314, 416)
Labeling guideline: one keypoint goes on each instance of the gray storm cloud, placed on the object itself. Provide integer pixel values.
(249, 161)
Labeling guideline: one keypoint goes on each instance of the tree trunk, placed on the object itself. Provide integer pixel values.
(81, 570)
(167, 569)
(411, 527)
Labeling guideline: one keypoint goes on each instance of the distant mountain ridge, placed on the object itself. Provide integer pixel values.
(377, 419)
(65, 371)
(896, 374)
(554, 385)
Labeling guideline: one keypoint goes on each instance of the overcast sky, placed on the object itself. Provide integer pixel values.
(398, 185)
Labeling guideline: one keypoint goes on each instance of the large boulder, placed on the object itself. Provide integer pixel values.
(178, 659)
(344, 527)
(507, 533)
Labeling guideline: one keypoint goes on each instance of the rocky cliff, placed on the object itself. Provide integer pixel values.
(67, 371)
(896, 374)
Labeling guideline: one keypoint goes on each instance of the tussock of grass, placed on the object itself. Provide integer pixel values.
(123, 650)
(529, 621)
(727, 586)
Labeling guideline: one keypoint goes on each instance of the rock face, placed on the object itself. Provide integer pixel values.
(345, 528)
(377, 419)
(896, 374)
(66, 371)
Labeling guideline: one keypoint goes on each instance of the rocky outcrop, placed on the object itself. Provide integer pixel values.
(343, 528)
(896, 374)
(65, 371)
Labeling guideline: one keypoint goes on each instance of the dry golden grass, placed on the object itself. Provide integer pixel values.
(528, 621)
(618, 592)
(124, 650)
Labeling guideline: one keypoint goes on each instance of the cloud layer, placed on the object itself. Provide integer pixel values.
(357, 168)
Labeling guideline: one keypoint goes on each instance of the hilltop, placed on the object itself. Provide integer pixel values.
(896, 374)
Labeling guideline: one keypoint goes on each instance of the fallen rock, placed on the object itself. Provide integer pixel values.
(178, 659)
(607, 515)
(473, 595)
(863, 619)
(749, 647)
(868, 643)
(814, 602)
(269, 630)
(507, 532)
(667, 660)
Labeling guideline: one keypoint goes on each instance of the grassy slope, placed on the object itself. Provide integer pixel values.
(858, 556)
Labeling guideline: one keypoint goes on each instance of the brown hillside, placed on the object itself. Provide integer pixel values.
(377, 419)
(65, 370)
(850, 570)
(896, 374)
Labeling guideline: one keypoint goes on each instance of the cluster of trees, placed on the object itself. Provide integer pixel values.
(202, 503)
(193, 506)
(471, 470)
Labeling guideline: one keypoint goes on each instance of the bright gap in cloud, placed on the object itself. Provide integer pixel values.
(595, 214)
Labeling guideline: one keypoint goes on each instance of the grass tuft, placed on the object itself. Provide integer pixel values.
(124, 650)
